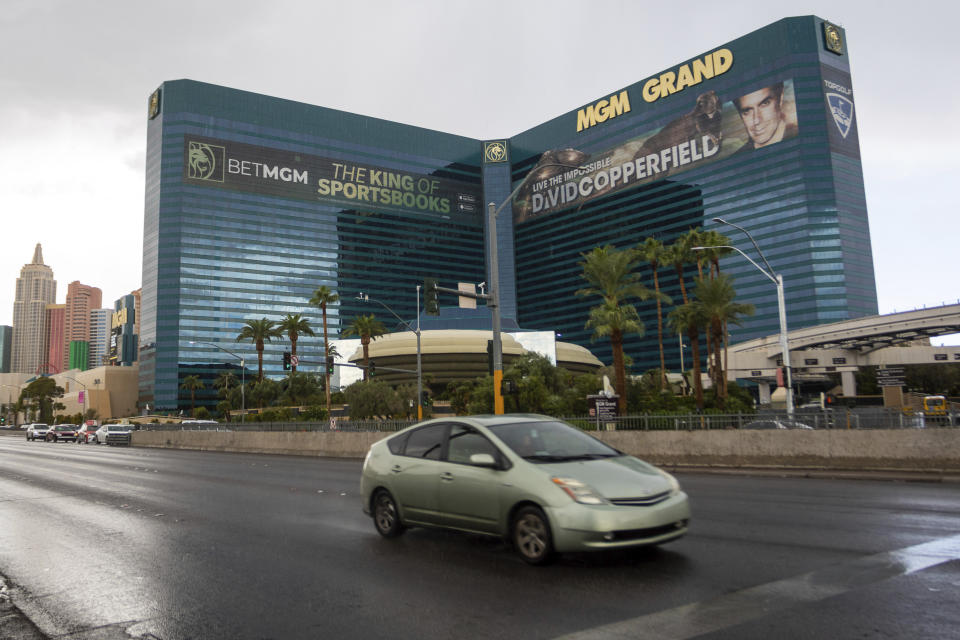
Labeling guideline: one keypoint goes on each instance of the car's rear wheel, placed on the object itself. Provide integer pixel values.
(386, 516)
(531, 536)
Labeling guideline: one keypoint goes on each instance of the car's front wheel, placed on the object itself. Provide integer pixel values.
(531, 536)
(386, 516)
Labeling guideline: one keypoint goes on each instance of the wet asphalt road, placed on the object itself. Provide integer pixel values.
(101, 542)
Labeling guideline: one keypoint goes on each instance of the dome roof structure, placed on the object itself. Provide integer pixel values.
(455, 354)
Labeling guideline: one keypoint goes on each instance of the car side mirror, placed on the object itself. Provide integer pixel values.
(483, 460)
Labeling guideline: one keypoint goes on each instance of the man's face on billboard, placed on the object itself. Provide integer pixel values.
(761, 115)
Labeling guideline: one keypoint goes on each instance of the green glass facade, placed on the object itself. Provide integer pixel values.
(253, 202)
(79, 355)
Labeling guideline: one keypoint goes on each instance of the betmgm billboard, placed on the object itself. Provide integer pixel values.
(723, 104)
(236, 166)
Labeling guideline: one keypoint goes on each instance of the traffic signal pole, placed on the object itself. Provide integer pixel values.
(493, 279)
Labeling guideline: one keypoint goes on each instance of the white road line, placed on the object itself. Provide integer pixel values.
(736, 608)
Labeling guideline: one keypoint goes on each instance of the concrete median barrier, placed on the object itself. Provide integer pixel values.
(928, 450)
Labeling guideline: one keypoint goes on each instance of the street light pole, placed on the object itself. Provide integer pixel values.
(243, 376)
(493, 278)
(83, 407)
(416, 331)
(777, 279)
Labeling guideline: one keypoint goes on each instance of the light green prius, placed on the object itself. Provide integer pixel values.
(535, 480)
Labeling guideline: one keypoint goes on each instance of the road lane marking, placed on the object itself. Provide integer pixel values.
(695, 619)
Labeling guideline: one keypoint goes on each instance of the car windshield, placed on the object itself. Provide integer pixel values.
(551, 441)
(65, 427)
(118, 427)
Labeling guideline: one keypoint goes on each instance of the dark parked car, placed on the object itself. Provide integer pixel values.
(62, 432)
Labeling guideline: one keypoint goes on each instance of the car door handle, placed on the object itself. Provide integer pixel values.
(396, 468)
(446, 476)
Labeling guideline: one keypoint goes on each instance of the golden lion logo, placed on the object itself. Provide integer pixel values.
(205, 161)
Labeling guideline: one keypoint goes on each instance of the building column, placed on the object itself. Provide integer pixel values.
(849, 381)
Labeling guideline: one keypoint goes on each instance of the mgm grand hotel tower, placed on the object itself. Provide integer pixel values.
(253, 202)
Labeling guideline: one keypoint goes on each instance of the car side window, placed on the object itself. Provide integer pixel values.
(464, 442)
(426, 442)
(397, 443)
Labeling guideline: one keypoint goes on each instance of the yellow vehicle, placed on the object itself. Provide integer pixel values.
(934, 405)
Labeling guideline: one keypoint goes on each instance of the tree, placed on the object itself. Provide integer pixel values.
(717, 298)
(373, 399)
(39, 396)
(653, 251)
(295, 325)
(716, 247)
(192, 384)
(368, 328)
(679, 254)
(259, 332)
(322, 298)
(300, 388)
(264, 392)
(611, 274)
(690, 319)
(616, 322)
(224, 382)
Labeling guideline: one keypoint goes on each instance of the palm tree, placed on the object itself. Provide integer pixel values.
(680, 255)
(295, 325)
(716, 244)
(653, 251)
(367, 328)
(689, 319)
(224, 382)
(616, 322)
(611, 274)
(718, 298)
(321, 298)
(258, 332)
(192, 384)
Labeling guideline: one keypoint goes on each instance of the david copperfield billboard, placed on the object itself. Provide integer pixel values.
(711, 130)
(262, 170)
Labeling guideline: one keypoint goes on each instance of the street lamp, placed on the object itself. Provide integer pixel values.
(366, 298)
(243, 376)
(84, 405)
(777, 279)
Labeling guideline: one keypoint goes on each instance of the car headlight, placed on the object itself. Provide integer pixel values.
(579, 491)
(674, 485)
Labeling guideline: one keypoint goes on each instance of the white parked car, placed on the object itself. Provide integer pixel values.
(113, 434)
(37, 431)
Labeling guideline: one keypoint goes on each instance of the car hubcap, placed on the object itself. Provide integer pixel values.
(386, 514)
(531, 536)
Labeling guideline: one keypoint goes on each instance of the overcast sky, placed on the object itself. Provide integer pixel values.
(76, 76)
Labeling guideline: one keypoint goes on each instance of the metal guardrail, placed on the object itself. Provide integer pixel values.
(861, 418)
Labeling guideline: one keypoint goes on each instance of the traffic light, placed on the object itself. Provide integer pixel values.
(286, 360)
(424, 398)
(509, 387)
(372, 369)
(430, 296)
(490, 357)
(330, 365)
